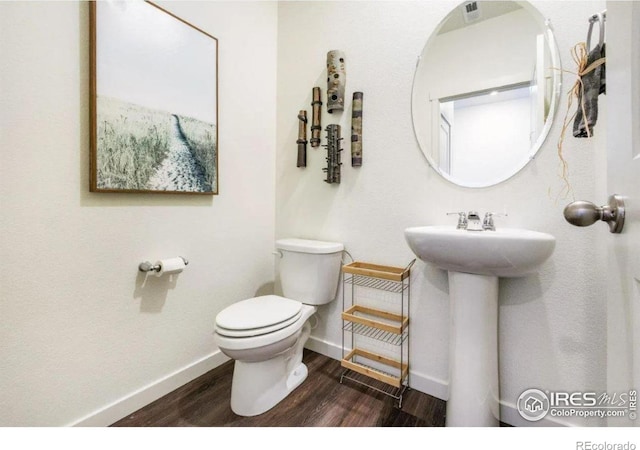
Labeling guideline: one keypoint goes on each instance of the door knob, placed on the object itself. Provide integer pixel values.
(583, 214)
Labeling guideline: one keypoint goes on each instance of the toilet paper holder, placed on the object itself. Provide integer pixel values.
(146, 266)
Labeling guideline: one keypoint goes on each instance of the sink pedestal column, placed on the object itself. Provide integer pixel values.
(473, 351)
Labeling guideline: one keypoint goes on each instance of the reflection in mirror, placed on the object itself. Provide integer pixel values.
(485, 91)
(492, 131)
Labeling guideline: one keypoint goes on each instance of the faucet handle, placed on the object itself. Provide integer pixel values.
(487, 223)
(462, 219)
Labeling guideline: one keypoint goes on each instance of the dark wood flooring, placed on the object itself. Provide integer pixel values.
(321, 401)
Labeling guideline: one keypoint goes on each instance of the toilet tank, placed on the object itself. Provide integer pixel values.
(309, 270)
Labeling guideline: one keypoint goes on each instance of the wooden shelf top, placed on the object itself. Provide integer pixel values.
(377, 271)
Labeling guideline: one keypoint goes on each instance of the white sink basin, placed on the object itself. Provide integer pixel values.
(506, 252)
(475, 260)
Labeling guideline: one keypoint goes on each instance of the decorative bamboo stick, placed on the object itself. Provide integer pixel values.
(336, 79)
(356, 130)
(316, 127)
(302, 139)
(333, 154)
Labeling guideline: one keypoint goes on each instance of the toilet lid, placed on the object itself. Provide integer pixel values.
(258, 315)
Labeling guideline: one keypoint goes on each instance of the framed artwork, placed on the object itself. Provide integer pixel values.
(154, 101)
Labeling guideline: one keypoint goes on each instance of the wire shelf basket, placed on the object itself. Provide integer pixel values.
(361, 317)
(376, 333)
(376, 283)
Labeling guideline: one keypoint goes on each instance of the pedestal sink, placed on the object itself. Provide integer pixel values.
(475, 260)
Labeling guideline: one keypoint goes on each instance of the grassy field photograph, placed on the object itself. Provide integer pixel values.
(145, 149)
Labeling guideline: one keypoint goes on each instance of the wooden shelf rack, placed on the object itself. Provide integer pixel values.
(362, 365)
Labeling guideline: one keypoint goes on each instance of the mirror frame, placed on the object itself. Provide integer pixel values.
(556, 66)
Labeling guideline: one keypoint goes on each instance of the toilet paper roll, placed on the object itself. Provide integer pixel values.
(170, 266)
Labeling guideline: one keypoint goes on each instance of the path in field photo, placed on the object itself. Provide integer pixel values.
(145, 149)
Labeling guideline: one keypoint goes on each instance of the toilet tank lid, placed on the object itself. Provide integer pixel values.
(308, 246)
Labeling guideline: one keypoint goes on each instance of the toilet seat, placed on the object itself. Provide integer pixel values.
(258, 316)
(257, 331)
(256, 342)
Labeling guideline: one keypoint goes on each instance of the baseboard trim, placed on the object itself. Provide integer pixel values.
(121, 408)
(142, 397)
(509, 414)
(323, 347)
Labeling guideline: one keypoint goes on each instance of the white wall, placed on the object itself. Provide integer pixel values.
(552, 326)
(84, 338)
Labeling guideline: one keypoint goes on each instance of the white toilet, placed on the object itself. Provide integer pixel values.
(266, 335)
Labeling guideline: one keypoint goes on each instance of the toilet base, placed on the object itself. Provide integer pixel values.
(259, 386)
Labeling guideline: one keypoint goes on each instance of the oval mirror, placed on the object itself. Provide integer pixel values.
(485, 91)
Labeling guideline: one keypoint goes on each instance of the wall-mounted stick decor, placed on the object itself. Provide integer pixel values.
(336, 79)
(302, 139)
(316, 127)
(356, 130)
(592, 79)
(333, 154)
(154, 133)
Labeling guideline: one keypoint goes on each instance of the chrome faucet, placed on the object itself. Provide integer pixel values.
(473, 221)
(462, 220)
(487, 223)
